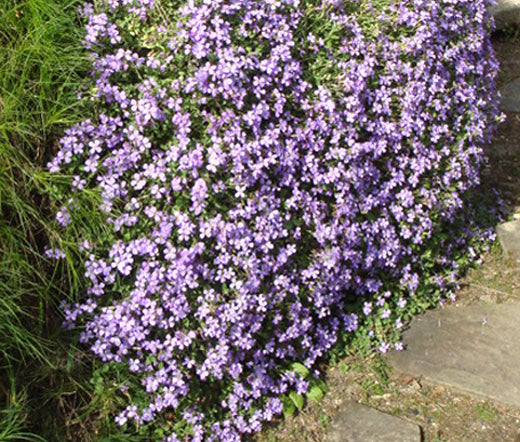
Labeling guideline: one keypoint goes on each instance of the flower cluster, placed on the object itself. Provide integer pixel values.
(274, 173)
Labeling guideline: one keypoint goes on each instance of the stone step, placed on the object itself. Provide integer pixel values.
(506, 12)
(475, 349)
(510, 93)
(509, 236)
(358, 423)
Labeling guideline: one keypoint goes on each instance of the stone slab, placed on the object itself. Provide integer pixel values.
(509, 236)
(506, 12)
(475, 349)
(359, 423)
(510, 97)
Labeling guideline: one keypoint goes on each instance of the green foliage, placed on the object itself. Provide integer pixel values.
(13, 416)
(315, 393)
(41, 66)
(486, 412)
(38, 84)
(300, 369)
(297, 399)
(294, 401)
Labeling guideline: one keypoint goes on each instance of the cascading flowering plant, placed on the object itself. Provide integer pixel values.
(274, 174)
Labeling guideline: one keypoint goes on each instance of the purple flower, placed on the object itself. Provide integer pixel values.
(63, 217)
(274, 176)
(383, 347)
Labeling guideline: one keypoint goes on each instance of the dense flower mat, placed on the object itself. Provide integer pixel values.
(276, 174)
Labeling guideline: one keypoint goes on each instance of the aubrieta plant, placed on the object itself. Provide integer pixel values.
(276, 174)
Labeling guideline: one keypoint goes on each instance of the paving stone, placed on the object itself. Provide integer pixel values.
(509, 236)
(506, 12)
(475, 349)
(359, 423)
(510, 100)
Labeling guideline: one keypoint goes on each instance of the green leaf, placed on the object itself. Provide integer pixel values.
(320, 383)
(288, 407)
(315, 393)
(301, 369)
(297, 399)
(99, 388)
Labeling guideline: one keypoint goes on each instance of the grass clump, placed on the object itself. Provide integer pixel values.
(41, 68)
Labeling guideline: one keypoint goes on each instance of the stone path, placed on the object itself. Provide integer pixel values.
(506, 12)
(510, 100)
(475, 349)
(376, 426)
(509, 233)
(509, 236)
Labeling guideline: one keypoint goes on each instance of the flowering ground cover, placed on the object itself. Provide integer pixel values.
(276, 179)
